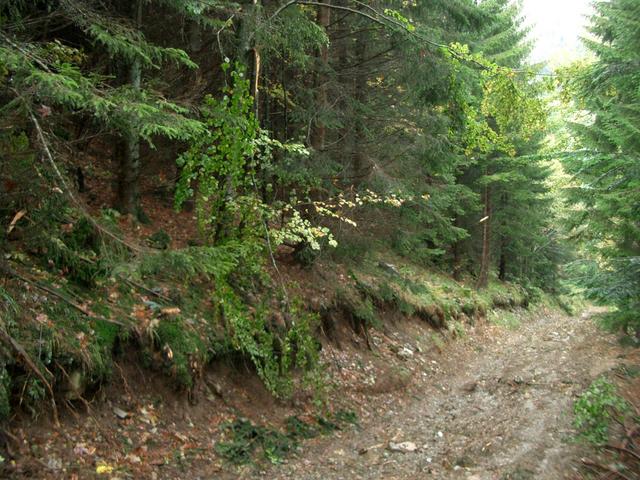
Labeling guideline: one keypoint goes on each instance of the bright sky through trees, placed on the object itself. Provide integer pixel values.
(556, 27)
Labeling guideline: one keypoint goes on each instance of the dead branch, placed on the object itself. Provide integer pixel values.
(605, 468)
(12, 342)
(72, 197)
(146, 289)
(12, 273)
(624, 450)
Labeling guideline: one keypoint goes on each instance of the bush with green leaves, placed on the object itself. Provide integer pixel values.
(596, 408)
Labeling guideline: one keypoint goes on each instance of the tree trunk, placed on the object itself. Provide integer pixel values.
(485, 260)
(502, 266)
(318, 138)
(457, 254)
(360, 85)
(255, 88)
(129, 168)
(250, 53)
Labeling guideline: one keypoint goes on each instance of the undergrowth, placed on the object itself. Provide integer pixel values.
(432, 297)
(182, 309)
(596, 408)
(89, 295)
(244, 440)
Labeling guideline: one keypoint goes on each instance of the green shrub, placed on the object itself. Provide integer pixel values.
(595, 409)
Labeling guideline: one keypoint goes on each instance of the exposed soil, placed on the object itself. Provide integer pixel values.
(495, 404)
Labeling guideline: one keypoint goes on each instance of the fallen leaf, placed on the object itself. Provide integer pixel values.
(103, 468)
(133, 458)
(82, 449)
(120, 413)
(16, 219)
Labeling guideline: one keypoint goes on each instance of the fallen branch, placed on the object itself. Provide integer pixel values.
(12, 342)
(145, 289)
(12, 273)
(624, 450)
(604, 468)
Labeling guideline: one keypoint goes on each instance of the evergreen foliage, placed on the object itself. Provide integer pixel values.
(403, 129)
(606, 194)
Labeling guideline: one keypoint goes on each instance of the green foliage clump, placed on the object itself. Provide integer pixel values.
(220, 161)
(225, 274)
(595, 409)
(80, 254)
(359, 310)
(73, 341)
(247, 437)
(101, 349)
(244, 438)
(186, 346)
(209, 262)
(160, 240)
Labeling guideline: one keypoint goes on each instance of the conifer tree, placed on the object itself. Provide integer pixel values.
(43, 68)
(606, 196)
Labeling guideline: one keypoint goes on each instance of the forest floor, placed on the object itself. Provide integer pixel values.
(494, 404)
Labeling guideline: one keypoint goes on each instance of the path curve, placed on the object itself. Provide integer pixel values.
(498, 407)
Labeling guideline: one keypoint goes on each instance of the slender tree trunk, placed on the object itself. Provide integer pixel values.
(485, 260)
(250, 53)
(129, 168)
(360, 85)
(341, 45)
(502, 265)
(318, 138)
(255, 89)
(285, 112)
(457, 255)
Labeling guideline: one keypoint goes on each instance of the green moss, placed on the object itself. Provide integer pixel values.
(360, 309)
(469, 308)
(104, 340)
(73, 340)
(184, 343)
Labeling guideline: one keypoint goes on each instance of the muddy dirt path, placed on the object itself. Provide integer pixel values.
(496, 406)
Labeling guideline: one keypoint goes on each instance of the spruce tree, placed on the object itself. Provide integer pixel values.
(66, 73)
(606, 196)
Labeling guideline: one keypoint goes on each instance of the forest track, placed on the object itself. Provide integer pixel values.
(499, 407)
(493, 405)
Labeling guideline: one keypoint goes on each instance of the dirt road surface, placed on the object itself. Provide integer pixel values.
(496, 406)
